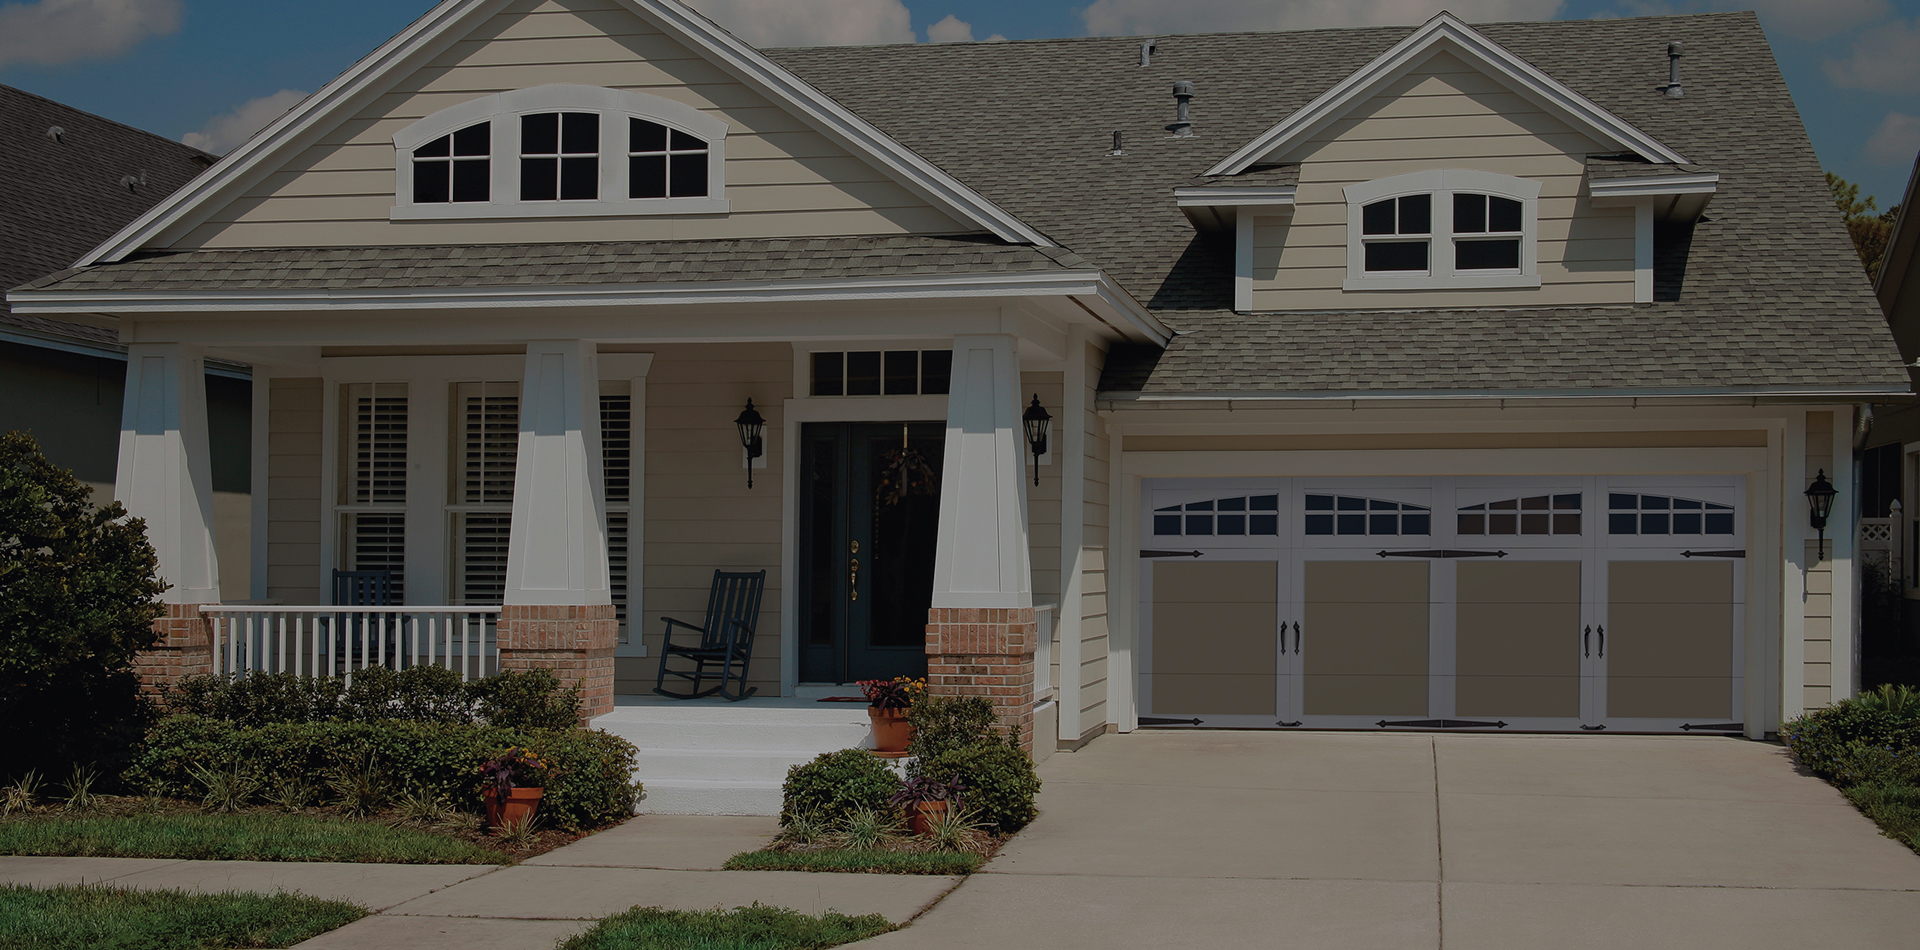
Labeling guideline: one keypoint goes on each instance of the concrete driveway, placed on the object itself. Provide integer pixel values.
(1390, 841)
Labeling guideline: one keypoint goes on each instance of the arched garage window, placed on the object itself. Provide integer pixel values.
(1445, 228)
(557, 151)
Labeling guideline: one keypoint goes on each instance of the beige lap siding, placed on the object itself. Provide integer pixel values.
(1093, 564)
(293, 490)
(700, 513)
(1818, 608)
(783, 178)
(1043, 501)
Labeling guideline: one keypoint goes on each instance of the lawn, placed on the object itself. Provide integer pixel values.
(874, 861)
(237, 837)
(743, 928)
(104, 918)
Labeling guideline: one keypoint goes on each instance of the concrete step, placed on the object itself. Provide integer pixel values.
(708, 757)
(666, 796)
(721, 765)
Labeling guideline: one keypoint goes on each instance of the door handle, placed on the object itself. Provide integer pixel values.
(1296, 638)
(1603, 641)
(1586, 641)
(853, 579)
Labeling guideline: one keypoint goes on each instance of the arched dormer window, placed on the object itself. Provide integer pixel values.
(1444, 228)
(561, 150)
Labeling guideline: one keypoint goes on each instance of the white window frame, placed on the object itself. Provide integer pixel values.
(504, 109)
(1442, 183)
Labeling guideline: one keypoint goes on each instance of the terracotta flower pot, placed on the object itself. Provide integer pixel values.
(518, 807)
(891, 730)
(922, 815)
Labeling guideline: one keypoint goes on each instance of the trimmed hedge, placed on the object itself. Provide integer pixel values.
(837, 784)
(593, 784)
(1857, 741)
(996, 780)
(520, 699)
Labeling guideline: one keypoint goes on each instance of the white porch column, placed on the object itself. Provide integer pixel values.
(557, 553)
(165, 474)
(558, 608)
(980, 628)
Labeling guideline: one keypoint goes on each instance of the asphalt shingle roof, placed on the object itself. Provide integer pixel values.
(58, 199)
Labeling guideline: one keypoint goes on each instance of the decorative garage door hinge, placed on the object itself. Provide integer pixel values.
(1151, 553)
(1157, 721)
(1713, 727)
(1713, 554)
(1441, 724)
(1442, 554)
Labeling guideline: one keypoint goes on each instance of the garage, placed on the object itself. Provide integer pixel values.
(1561, 604)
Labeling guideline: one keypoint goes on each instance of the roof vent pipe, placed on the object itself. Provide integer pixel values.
(1117, 149)
(1146, 53)
(1182, 126)
(1675, 50)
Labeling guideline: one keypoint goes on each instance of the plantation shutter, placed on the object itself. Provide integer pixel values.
(616, 451)
(487, 429)
(374, 483)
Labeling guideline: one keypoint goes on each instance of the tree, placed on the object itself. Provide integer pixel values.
(78, 598)
(1869, 229)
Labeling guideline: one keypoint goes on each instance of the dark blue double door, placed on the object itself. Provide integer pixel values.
(869, 524)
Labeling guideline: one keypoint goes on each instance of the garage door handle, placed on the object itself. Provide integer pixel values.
(1296, 637)
(1603, 641)
(1586, 641)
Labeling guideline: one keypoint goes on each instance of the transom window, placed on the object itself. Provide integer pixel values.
(1243, 515)
(1664, 514)
(558, 150)
(1346, 514)
(1442, 228)
(1534, 514)
(882, 372)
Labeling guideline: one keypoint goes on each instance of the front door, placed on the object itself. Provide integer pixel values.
(869, 523)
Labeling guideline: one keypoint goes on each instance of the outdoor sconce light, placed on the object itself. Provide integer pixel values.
(751, 426)
(1819, 506)
(1036, 421)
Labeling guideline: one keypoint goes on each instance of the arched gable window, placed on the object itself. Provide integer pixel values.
(561, 150)
(1442, 228)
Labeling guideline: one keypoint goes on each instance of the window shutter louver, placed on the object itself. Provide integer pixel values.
(489, 433)
(375, 486)
(616, 453)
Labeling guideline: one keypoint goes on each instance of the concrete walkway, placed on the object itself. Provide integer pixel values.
(1310, 841)
(1383, 842)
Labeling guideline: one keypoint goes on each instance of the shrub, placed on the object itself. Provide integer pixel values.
(592, 783)
(78, 597)
(835, 785)
(998, 781)
(1822, 739)
(943, 724)
(521, 699)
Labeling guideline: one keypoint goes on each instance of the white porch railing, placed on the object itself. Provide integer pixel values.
(336, 641)
(1043, 651)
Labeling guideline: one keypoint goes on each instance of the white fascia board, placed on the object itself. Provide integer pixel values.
(1626, 189)
(1212, 197)
(1457, 37)
(426, 34)
(1688, 393)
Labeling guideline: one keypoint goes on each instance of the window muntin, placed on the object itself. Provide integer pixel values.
(1442, 228)
(454, 167)
(1405, 216)
(560, 156)
(1491, 215)
(1351, 515)
(1557, 514)
(1220, 517)
(882, 372)
(664, 162)
(1634, 513)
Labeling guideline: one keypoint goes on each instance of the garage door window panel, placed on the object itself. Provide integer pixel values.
(1354, 515)
(1237, 516)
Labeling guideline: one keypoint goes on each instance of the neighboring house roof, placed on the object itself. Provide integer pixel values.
(1898, 283)
(61, 197)
(1770, 271)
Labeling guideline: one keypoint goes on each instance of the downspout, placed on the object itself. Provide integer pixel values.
(1862, 428)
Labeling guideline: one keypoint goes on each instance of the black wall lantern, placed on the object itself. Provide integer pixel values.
(751, 426)
(1819, 506)
(1036, 421)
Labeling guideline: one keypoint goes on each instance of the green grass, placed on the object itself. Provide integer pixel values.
(743, 928)
(874, 862)
(1896, 809)
(102, 918)
(236, 838)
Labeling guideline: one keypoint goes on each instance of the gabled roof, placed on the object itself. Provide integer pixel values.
(60, 197)
(1446, 33)
(449, 21)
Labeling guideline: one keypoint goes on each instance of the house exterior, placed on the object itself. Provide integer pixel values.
(68, 180)
(1440, 378)
(1889, 466)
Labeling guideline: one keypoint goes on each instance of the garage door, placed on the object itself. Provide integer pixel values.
(1575, 604)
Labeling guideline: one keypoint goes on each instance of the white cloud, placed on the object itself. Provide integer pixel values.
(52, 32)
(950, 30)
(1139, 17)
(1896, 141)
(1886, 59)
(767, 23)
(223, 132)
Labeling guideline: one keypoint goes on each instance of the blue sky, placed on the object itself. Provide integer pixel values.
(210, 71)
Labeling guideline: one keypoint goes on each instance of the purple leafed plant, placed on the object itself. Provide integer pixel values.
(516, 768)
(922, 789)
(886, 694)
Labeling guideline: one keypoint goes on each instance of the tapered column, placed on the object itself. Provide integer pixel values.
(558, 608)
(980, 628)
(165, 477)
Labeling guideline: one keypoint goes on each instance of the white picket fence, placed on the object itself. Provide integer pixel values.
(337, 641)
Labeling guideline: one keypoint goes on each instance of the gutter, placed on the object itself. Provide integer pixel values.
(1841, 393)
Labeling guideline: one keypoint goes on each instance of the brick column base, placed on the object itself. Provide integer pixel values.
(575, 641)
(183, 646)
(976, 651)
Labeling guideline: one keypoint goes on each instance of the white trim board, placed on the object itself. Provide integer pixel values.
(1446, 33)
(448, 22)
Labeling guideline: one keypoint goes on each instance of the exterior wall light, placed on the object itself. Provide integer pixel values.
(751, 426)
(1036, 421)
(1819, 506)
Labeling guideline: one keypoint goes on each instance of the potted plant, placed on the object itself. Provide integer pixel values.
(926, 800)
(887, 705)
(515, 782)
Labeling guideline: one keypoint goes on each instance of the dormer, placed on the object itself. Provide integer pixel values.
(1447, 173)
